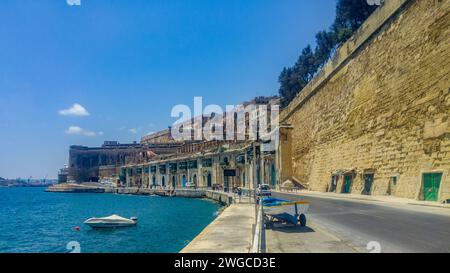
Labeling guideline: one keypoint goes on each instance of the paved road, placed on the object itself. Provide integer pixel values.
(283, 238)
(398, 228)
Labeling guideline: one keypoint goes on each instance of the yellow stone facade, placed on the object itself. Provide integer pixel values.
(204, 170)
(381, 107)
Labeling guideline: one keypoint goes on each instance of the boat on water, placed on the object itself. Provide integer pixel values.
(112, 221)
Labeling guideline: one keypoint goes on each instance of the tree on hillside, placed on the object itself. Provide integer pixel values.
(295, 78)
(306, 65)
(326, 46)
(350, 15)
(289, 85)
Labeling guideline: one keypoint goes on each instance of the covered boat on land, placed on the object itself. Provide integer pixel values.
(112, 221)
(293, 212)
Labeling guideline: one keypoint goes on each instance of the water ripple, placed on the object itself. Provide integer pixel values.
(33, 221)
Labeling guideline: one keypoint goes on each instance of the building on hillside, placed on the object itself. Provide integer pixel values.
(85, 162)
(63, 174)
(160, 160)
(223, 164)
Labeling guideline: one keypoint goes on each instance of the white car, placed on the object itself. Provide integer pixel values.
(263, 190)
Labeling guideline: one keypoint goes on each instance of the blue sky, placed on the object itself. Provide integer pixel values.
(127, 63)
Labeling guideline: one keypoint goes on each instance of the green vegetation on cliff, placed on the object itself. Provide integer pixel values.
(350, 15)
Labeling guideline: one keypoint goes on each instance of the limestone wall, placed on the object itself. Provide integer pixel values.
(84, 162)
(381, 105)
(221, 197)
(189, 193)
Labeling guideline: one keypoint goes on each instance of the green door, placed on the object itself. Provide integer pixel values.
(431, 184)
(273, 177)
(347, 184)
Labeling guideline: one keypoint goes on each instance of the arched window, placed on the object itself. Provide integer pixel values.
(209, 180)
(184, 181)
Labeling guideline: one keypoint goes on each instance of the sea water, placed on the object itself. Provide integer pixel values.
(35, 221)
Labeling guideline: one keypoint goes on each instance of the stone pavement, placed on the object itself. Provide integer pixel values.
(310, 239)
(231, 232)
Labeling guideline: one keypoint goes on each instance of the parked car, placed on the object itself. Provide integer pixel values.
(263, 190)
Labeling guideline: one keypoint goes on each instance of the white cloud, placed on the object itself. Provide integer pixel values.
(133, 131)
(75, 130)
(73, 2)
(75, 110)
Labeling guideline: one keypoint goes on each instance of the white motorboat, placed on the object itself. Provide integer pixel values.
(112, 221)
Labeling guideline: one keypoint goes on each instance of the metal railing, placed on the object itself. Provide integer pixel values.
(259, 236)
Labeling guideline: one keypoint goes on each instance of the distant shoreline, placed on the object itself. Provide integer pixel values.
(25, 186)
(222, 197)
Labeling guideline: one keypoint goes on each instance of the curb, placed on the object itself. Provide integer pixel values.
(355, 198)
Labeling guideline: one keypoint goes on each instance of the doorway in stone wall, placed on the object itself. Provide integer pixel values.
(431, 186)
(368, 182)
(209, 180)
(334, 182)
(226, 184)
(194, 180)
(174, 182)
(93, 179)
(273, 177)
(184, 181)
(347, 187)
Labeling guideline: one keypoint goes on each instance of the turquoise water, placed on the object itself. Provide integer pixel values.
(33, 221)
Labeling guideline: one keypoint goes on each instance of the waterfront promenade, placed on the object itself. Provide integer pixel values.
(231, 232)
